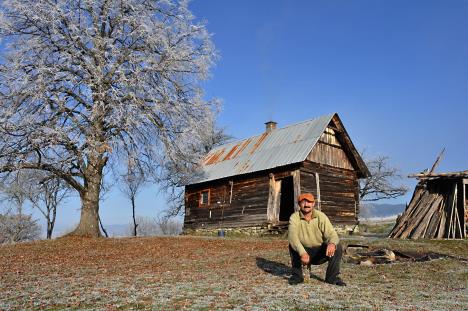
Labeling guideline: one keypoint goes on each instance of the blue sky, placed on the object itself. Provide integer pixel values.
(395, 71)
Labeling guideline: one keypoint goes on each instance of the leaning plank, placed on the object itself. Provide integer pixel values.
(431, 228)
(406, 216)
(443, 217)
(417, 216)
(455, 210)
(420, 225)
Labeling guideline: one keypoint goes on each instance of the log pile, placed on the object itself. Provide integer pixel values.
(433, 213)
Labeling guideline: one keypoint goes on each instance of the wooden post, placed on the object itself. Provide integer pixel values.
(230, 195)
(465, 205)
(317, 183)
(277, 200)
(297, 187)
(273, 199)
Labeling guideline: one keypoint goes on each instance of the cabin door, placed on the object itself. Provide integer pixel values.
(281, 202)
(286, 199)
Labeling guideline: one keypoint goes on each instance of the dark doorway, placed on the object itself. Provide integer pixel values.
(287, 198)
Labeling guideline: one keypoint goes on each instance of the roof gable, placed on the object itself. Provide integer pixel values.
(279, 147)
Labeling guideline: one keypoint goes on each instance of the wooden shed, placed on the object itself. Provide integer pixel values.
(254, 182)
(437, 210)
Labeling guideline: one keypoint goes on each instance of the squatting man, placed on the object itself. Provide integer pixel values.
(313, 240)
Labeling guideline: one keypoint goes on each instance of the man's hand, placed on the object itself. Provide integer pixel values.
(331, 248)
(305, 259)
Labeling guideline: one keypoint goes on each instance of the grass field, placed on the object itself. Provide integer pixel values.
(196, 273)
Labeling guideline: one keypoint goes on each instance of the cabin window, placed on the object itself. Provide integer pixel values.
(204, 198)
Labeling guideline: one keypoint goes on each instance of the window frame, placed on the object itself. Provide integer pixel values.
(200, 198)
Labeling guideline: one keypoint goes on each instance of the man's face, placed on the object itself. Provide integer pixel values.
(306, 206)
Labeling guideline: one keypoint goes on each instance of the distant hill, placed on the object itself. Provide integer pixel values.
(375, 210)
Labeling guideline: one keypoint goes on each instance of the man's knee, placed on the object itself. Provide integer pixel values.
(338, 251)
(295, 257)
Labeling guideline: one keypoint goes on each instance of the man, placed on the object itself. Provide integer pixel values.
(313, 240)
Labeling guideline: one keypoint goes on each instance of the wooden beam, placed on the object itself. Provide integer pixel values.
(462, 174)
(271, 198)
(296, 174)
(436, 163)
(319, 200)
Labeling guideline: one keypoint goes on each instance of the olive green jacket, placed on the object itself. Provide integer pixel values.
(313, 233)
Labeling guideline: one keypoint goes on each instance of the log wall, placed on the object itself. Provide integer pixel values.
(339, 190)
(329, 151)
(249, 203)
(247, 207)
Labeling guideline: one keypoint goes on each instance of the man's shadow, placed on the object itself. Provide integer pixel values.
(279, 269)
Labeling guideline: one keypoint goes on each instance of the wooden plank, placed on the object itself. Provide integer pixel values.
(450, 207)
(436, 163)
(412, 213)
(297, 187)
(459, 231)
(461, 207)
(271, 198)
(317, 186)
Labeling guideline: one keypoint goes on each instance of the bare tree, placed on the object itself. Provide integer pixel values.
(131, 184)
(381, 184)
(14, 191)
(147, 226)
(169, 226)
(86, 83)
(46, 194)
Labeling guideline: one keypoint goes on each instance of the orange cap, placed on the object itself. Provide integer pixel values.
(306, 196)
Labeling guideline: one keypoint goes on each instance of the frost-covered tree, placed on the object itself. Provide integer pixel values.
(175, 175)
(85, 83)
(15, 225)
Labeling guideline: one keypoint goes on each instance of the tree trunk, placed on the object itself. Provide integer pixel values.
(102, 227)
(51, 221)
(89, 220)
(135, 225)
(50, 228)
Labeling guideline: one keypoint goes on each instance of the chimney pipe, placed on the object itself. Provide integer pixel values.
(270, 126)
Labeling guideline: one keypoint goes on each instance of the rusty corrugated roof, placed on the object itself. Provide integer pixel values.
(279, 147)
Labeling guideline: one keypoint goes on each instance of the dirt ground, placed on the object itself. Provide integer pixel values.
(202, 273)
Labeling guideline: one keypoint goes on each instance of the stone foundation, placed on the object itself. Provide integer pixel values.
(259, 231)
(230, 232)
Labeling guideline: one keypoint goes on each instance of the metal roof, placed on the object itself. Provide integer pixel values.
(279, 147)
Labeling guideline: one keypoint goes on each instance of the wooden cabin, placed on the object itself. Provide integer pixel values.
(255, 182)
